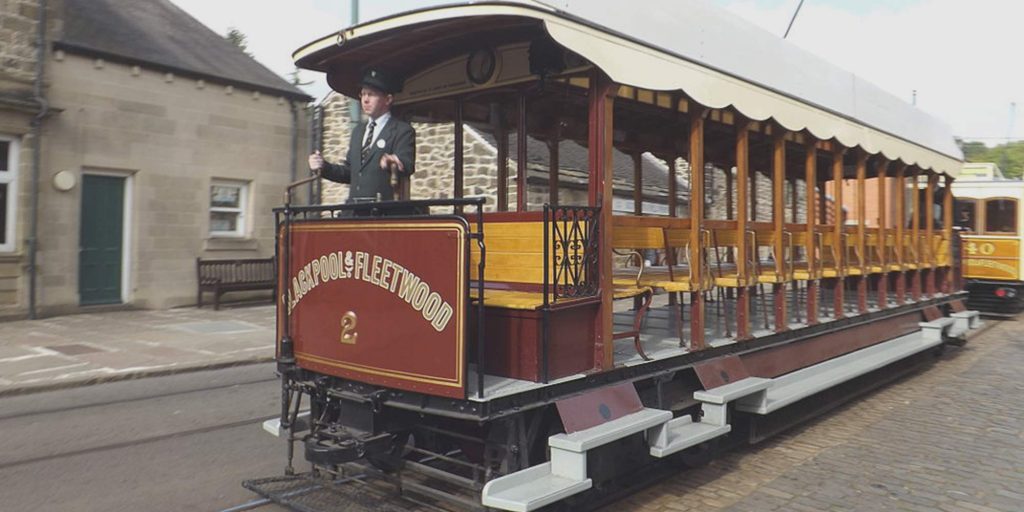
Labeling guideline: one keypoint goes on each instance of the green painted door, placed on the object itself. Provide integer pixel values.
(101, 238)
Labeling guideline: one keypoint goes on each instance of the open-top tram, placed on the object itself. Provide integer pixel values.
(534, 347)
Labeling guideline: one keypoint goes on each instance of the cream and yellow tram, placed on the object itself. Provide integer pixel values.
(987, 212)
(508, 351)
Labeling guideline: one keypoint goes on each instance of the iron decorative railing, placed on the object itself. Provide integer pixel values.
(571, 235)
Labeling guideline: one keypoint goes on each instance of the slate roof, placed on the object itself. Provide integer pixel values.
(157, 33)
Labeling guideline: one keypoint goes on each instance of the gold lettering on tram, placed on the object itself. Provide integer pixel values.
(348, 328)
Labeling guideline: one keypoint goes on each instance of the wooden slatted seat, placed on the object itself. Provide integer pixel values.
(808, 242)
(515, 267)
(891, 256)
(829, 255)
(941, 251)
(668, 234)
(872, 241)
(514, 274)
(767, 271)
(855, 261)
(910, 254)
(725, 235)
(233, 275)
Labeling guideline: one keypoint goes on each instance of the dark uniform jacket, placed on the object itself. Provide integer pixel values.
(366, 178)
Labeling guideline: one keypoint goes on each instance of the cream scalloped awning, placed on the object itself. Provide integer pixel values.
(806, 94)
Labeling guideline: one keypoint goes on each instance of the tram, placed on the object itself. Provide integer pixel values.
(988, 215)
(511, 352)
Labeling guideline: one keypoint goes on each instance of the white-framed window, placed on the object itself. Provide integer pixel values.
(229, 200)
(8, 191)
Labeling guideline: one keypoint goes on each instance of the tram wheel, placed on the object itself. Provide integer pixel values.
(393, 458)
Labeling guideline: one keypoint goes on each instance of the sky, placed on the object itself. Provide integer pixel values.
(956, 55)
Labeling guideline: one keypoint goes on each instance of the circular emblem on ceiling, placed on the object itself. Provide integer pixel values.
(480, 66)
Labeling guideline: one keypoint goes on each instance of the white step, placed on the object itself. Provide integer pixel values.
(801, 384)
(614, 430)
(733, 390)
(273, 427)
(682, 433)
(566, 474)
(531, 489)
(936, 329)
(964, 321)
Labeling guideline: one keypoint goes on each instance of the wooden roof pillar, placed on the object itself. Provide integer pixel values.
(838, 300)
(743, 249)
(915, 233)
(900, 221)
(862, 280)
(947, 229)
(697, 263)
(811, 217)
(600, 124)
(883, 235)
(929, 232)
(779, 226)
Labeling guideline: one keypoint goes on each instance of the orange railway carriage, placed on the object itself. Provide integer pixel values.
(539, 347)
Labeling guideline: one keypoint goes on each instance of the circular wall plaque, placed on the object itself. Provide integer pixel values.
(64, 181)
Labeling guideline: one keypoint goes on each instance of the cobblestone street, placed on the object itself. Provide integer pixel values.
(949, 437)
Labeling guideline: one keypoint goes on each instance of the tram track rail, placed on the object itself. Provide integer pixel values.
(59, 410)
(137, 442)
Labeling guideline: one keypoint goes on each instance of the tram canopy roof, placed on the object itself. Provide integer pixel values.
(715, 57)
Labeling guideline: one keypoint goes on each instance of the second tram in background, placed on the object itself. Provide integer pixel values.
(988, 213)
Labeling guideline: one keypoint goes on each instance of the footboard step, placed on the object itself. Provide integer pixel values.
(795, 386)
(566, 474)
(964, 321)
(733, 390)
(531, 489)
(273, 426)
(682, 433)
(937, 329)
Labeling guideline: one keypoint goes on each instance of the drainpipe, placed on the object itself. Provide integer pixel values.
(37, 133)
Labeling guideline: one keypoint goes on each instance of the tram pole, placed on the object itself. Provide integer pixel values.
(354, 108)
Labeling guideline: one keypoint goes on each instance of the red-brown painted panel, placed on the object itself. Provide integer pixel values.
(381, 302)
(599, 406)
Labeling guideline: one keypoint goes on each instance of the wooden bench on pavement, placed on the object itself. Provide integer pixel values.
(234, 275)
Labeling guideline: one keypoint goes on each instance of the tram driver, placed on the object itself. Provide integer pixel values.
(381, 148)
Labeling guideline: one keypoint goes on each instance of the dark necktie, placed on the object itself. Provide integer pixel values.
(369, 139)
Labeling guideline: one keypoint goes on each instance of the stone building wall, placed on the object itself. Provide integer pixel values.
(19, 21)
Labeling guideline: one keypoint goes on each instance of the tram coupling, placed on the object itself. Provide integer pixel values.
(330, 449)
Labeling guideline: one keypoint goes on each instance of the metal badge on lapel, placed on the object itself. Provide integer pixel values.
(380, 143)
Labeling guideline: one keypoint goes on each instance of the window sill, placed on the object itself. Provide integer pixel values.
(231, 244)
(11, 257)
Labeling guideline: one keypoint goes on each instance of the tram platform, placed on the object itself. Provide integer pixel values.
(78, 350)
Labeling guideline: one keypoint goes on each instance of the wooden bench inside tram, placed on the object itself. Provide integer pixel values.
(515, 306)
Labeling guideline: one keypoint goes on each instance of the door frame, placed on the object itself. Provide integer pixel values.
(126, 226)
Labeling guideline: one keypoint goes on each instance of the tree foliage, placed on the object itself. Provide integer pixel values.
(1009, 156)
(239, 39)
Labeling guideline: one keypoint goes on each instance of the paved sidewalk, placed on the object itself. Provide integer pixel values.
(82, 349)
